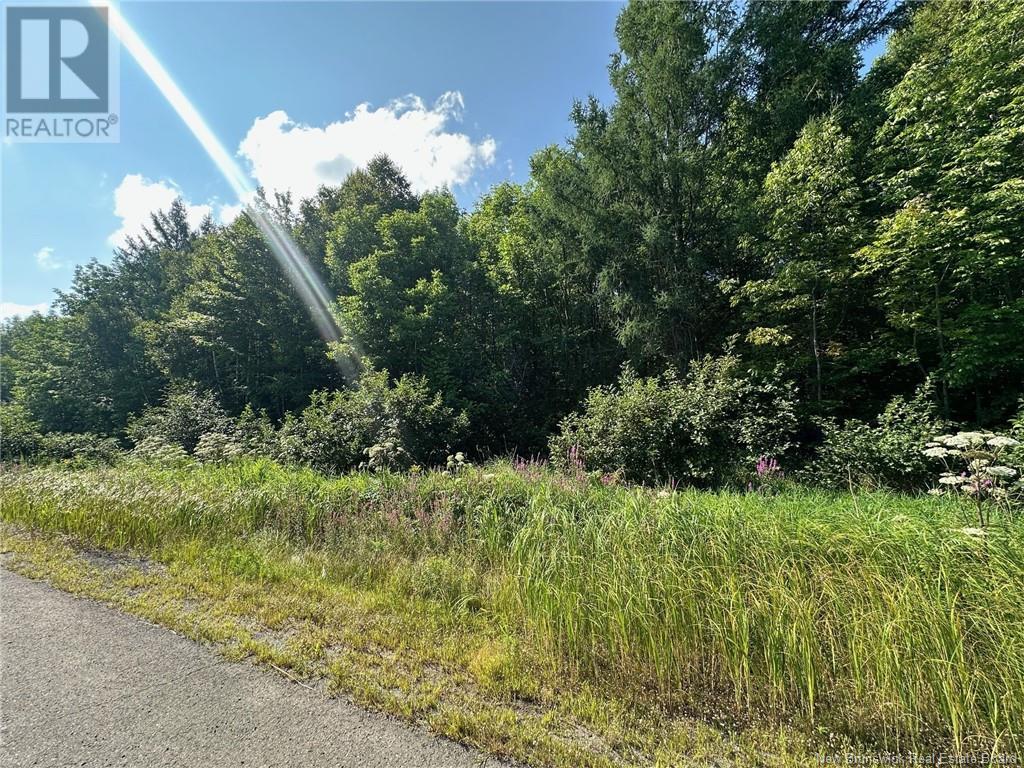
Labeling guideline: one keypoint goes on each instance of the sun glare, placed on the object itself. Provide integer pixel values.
(293, 261)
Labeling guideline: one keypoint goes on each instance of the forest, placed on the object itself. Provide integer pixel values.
(751, 214)
(713, 423)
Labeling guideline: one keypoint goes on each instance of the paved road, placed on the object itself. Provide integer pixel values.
(81, 684)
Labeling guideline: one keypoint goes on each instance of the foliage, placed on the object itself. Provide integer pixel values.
(21, 438)
(801, 308)
(254, 433)
(886, 453)
(183, 417)
(218, 447)
(237, 328)
(748, 188)
(20, 435)
(951, 175)
(696, 429)
(158, 451)
(80, 448)
(389, 424)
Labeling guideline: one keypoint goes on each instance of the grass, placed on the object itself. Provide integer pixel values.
(561, 622)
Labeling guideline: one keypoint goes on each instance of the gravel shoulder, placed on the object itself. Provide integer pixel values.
(82, 684)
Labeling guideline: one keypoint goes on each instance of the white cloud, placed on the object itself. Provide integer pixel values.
(45, 260)
(11, 309)
(288, 156)
(136, 198)
(228, 213)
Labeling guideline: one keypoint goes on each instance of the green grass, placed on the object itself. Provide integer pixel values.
(649, 626)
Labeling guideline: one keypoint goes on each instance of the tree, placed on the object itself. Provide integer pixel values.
(807, 301)
(421, 304)
(805, 59)
(656, 221)
(238, 328)
(549, 335)
(950, 168)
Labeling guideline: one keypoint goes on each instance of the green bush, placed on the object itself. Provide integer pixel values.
(378, 422)
(218, 447)
(21, 439)
(20, 435)
(886, 454)
(80, 448)
(255, 433)
(156, 450)
(1017, 431)
(183, 417)
(698, 430)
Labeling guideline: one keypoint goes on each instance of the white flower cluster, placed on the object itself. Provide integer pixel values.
(974, 465)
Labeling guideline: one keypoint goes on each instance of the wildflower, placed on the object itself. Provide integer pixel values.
(1001, 441)
(967, 439)
(1001, 472)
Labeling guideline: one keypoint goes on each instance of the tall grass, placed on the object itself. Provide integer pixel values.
(877, 616)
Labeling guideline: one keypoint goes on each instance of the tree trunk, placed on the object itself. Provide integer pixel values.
(814, 345)
(944, 385)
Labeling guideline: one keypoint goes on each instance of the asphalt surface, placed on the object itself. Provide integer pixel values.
(81, 684)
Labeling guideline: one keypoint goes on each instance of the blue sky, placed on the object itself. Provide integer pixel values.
(459, 93)
(465, 91)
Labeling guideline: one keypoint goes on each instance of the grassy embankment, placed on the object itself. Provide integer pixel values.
(559, 621)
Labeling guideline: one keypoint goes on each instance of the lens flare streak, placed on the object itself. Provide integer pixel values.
(293, 261)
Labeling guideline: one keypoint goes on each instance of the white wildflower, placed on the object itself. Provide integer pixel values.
(1001, 441)
(1000, 471)
(967, 439)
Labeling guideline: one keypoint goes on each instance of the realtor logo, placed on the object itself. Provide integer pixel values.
(60, 72)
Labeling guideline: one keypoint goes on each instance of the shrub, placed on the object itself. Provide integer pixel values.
(255, 433)
(157, 450)
(885, 454)
(21, 438)
(217, 447)
(697, 430)
(377, 423)
(20, 435)
(183, 417)
(80, 448)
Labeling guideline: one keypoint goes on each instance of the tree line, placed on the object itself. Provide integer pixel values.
(750, 194)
